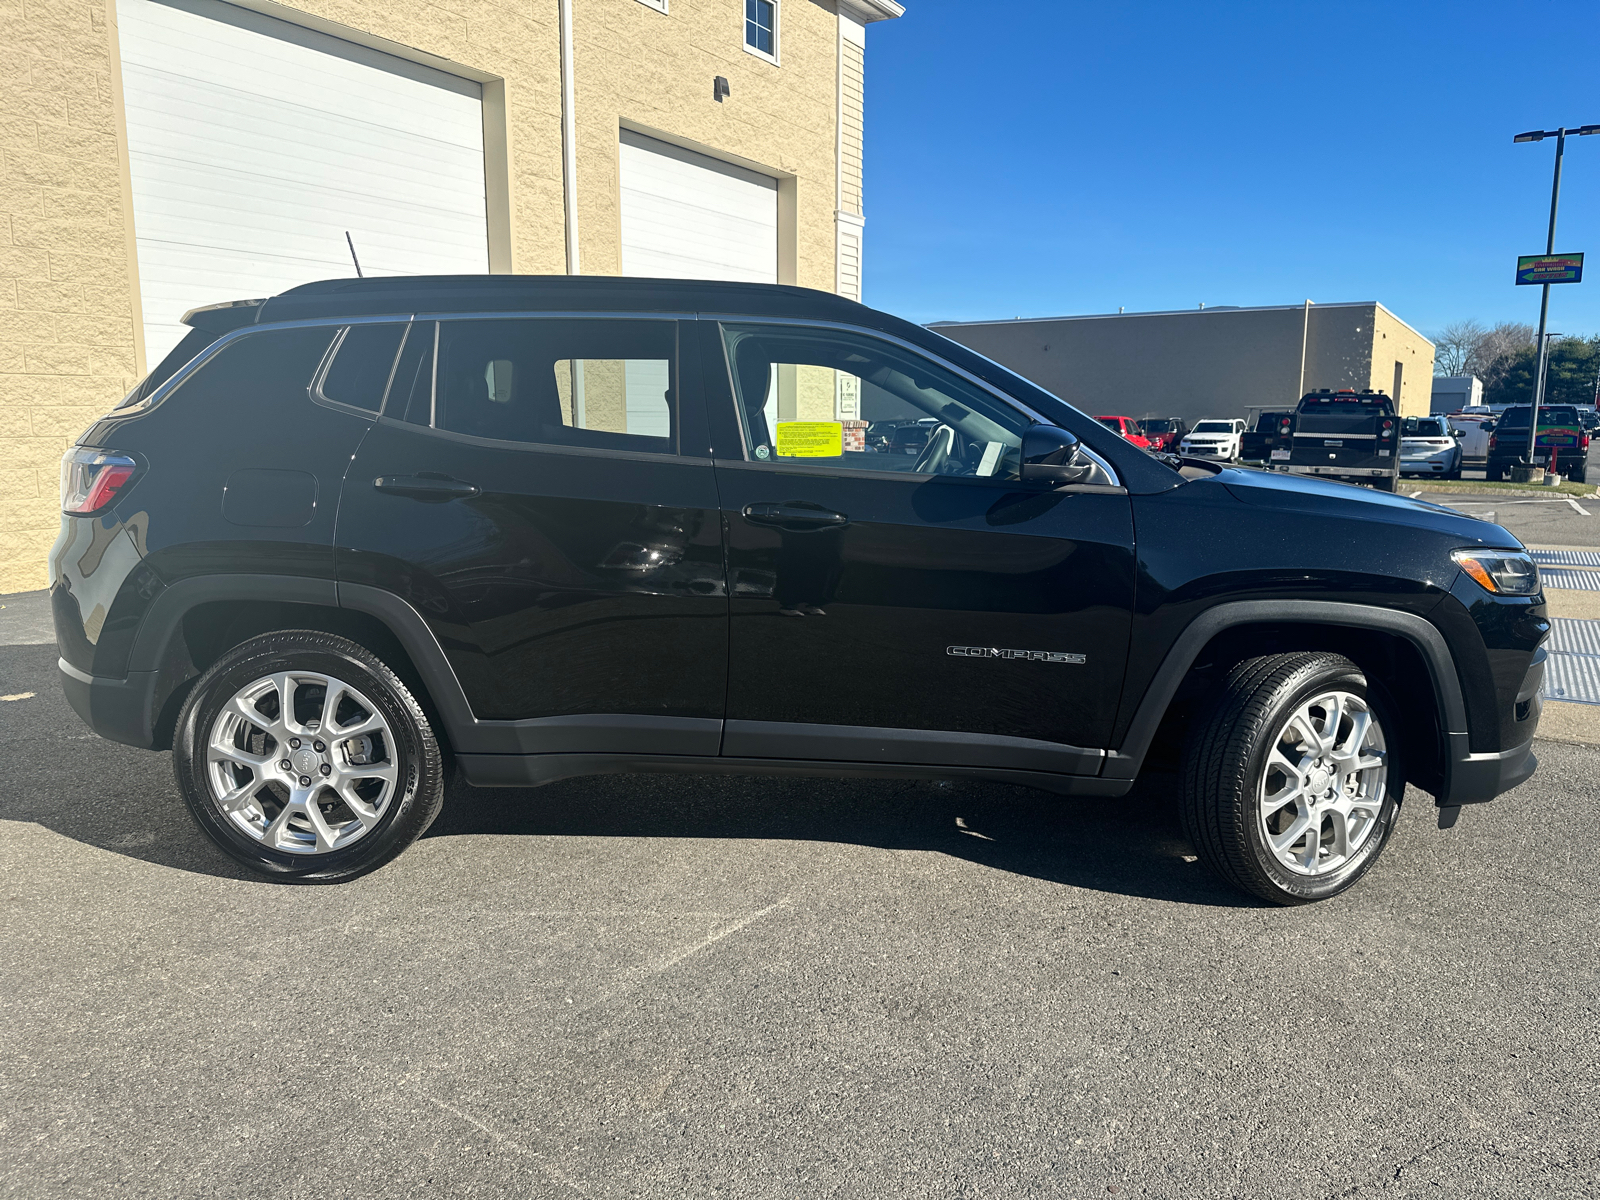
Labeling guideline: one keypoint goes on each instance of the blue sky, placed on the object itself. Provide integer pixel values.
(1039, 157)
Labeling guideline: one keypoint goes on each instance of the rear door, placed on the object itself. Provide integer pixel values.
(524, 491)
(910, 607)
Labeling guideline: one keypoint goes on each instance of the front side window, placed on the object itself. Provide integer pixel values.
(601, 384)
(832, 398)
(761, 26)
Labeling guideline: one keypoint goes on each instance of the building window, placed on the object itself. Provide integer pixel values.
(761, 28)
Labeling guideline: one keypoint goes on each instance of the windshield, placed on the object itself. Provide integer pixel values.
(1213, 427)
(1110, 423)
(1160, 425)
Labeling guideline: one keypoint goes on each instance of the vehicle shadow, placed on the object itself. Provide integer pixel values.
(1133, 845)
(57, 775)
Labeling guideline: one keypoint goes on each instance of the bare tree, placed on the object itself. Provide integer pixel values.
(1498, 350)
(1455, 346)
(1467, 348)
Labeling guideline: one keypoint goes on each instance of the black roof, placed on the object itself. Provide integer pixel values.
(545, 293)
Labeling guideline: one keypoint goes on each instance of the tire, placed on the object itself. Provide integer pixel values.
(345, 805)
(1495, 472)
(1229, 765)
(1579, 473)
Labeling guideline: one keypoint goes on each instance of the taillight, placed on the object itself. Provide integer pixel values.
(91, 479)
(1494, 440)
(1283, 428)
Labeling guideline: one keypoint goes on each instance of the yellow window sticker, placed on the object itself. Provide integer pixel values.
(810, 439)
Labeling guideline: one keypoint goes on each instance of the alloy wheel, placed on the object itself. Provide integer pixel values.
(301, 762)
(1324, 785)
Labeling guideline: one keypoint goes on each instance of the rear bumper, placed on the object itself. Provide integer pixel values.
(1341, 472)
(120, 710)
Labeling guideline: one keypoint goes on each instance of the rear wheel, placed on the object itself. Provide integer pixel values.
(305, 758)
(1292, 780)
(1578, 472)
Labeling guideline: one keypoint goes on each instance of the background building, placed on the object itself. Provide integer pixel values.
(162, 154)
(1451, 393)
(1213, 362)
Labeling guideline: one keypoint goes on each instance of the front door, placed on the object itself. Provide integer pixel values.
(525, 493)
(897, 594)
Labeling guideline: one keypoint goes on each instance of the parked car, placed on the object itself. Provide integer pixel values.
(1563, 442)
(1269, 441)
(1164, 433)
(328, 548)
(1127, 429)
(1214, 438)
(1428, 446)
(1347, 435)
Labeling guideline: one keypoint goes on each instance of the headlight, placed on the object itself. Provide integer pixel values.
(1504, 572)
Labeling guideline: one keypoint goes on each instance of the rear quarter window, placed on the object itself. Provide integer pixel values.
(259, 375)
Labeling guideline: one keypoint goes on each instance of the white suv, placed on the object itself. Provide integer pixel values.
(1214, 438)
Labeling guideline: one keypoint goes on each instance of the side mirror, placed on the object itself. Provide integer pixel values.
(1457, 433)
(1487, 427)
(1051, 455)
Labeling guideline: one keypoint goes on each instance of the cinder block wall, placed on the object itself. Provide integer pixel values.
(68, 346)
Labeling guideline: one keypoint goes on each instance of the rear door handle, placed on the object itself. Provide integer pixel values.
(436, 488)
(793, 514)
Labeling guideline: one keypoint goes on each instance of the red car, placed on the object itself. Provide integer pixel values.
(1126, 428)
(1164, 433)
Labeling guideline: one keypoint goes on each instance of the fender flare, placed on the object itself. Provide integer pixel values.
(1124, 762)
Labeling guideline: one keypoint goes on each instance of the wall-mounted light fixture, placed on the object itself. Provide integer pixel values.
(719, 89)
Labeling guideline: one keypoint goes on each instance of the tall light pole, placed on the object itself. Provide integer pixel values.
(1538, 135)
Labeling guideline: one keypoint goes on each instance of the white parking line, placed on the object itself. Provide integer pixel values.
(1582, 511)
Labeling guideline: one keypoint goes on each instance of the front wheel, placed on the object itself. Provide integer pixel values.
(304, 757)
(1293, 778)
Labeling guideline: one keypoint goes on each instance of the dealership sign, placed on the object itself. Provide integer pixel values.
(1550, 268)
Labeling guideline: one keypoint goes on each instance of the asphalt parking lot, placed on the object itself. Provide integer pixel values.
(688, 986)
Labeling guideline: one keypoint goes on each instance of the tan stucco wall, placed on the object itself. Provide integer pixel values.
(779, 119)
(68, 307)
(1212, 363)
(1397, 342)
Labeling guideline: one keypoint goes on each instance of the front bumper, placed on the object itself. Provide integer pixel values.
(1478, 778)
(1213, 450)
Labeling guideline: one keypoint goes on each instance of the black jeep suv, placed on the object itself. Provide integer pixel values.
(539, 528)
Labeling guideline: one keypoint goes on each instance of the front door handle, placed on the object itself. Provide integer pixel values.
(434, 488)
(793, 514)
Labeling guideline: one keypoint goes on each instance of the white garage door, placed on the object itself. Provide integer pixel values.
(686, 216)
(255, 144)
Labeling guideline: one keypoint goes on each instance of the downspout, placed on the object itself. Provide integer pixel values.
(569, 140)
(1305, 331)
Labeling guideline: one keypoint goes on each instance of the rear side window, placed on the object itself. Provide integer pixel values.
(363, 358)
(179, 356)
(596, 383)
(261, 373)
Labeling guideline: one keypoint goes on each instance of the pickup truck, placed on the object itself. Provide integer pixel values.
(1347, 435)
(1563, 441)
(1271, 434)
